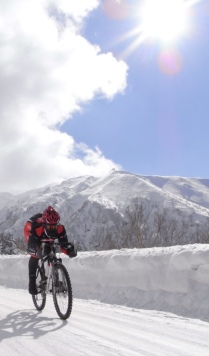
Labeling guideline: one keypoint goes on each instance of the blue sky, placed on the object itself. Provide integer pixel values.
(159, 125)
(88, 86)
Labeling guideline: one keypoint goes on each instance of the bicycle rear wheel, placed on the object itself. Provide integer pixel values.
(39, 299)
(62, 292)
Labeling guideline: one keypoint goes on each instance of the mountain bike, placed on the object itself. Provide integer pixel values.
(52, 277)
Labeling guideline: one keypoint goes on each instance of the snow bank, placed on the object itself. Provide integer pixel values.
(174, 279)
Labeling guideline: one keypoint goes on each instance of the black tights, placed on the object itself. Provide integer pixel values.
(33, 264)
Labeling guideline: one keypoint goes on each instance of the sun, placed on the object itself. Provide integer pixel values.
(164, 20)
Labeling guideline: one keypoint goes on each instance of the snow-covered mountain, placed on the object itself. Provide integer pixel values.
(118, 210)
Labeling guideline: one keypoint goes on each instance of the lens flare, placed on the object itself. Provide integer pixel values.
(170, 62)
(115, 9)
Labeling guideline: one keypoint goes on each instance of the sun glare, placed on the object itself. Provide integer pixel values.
(164, 20)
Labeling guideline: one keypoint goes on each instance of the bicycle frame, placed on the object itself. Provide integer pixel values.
(53, 278)
(50, 259)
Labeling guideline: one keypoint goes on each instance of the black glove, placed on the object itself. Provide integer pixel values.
(71, 250)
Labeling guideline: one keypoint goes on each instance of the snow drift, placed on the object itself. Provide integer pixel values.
(174, 279)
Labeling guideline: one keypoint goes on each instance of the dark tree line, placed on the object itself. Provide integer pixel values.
(149, 225)
(7, 245)
(142, 224)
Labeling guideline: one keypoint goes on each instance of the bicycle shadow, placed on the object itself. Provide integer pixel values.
(28, 323)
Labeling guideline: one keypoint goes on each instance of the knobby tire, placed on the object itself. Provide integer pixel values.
(39, 300)
(62, 292)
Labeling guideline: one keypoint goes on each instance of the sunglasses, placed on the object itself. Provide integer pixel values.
(51, 227)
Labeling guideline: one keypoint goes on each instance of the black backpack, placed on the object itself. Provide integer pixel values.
(34, 223)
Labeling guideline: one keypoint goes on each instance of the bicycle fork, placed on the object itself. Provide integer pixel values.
(48, 276)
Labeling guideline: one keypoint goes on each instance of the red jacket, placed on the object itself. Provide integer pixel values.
(37, 230)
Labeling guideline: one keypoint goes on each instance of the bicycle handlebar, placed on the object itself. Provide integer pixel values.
(53, 242)
(48, 240)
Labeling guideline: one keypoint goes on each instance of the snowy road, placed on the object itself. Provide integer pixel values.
(95, 329)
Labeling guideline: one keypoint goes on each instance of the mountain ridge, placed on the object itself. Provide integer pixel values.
(94, 208)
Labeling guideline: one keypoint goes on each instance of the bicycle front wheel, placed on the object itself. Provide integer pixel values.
(62, 292)
(39, 299)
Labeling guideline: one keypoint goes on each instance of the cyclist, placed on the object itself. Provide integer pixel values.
(44, 226)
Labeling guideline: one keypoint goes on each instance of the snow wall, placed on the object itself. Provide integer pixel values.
(174, 279)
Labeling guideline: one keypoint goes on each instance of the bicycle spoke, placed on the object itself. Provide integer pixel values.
(58, 283)
(62, 292)
(39, 300)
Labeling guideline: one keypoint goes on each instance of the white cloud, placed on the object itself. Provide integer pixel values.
(47, 70)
